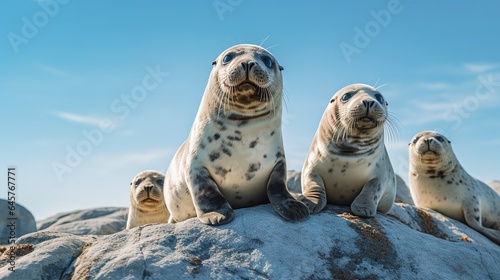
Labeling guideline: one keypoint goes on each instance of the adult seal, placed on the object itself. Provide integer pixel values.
(347, 163)
(234, 154)
(439, 182)
(147, 204)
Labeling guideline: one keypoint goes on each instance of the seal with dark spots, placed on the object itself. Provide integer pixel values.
(338, 168)
(470, 201)
(241, 104)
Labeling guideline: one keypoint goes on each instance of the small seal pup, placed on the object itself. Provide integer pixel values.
(439, 182)
(347, 163)
(147, 204)
(234, 154)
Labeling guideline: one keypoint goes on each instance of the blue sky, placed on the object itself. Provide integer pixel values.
(100, 90)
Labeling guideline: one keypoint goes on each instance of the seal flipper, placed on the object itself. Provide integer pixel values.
(313, 192)
(211, 206)
(473, 219)
(365, 204)
(282, 201)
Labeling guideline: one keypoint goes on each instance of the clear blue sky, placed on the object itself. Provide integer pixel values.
(67, 69)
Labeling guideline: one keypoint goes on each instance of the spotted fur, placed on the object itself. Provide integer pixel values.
(347, 163)
(147, 204)
(226, 161)
(439, 182)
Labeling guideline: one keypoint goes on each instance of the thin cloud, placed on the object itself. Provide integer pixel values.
(145, 157)
(53, 70)
(137, 158)
(477, 68)
(435, 86)
(425, 112)
(396, 145)
(78, 118)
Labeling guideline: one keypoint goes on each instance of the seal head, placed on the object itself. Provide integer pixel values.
(147, 204)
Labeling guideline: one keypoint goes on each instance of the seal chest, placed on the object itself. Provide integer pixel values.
(234, 155)
(147, 204)
(439, 182)
(347, 163)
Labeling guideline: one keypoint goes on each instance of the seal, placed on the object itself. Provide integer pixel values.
(147, 204)
(234, 155)
(347, 163)
(439, 182)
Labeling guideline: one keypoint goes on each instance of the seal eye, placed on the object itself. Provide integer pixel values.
(346, 96)
(138, 182)
(227, 58)
(415, 140)
(267, 61)
(440, 139)
(160, 182)
(379, 98)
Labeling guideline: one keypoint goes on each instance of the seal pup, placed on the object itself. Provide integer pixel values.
(347, 163)
(234, 154)
(439, 182)
(147, 204)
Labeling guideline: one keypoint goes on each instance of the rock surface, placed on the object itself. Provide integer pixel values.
(23, 220)
(495, 185)
(407, 243)
(97, 221)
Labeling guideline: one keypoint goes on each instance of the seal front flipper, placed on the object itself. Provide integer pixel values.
(210, 205)
(282, 201)
(472, 217)
(313, 192)
(365, 204)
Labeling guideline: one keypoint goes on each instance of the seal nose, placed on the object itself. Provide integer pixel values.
(428, 142)
(368, 104)
(248, 65)
(148, 189)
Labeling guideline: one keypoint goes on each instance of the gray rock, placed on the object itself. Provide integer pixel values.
(293, 181)
(97, 221)
(407, 243)
(495, 185)
(43, 255)
(23, 220)
(403, 191)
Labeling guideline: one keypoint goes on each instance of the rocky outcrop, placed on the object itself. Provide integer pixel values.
(16, 222)
(406, 243)
(97, 221)
(495, 185)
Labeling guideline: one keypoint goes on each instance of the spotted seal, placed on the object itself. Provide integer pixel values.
(347, 163)
(147, 204)
(439, 182)
(234, 154)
